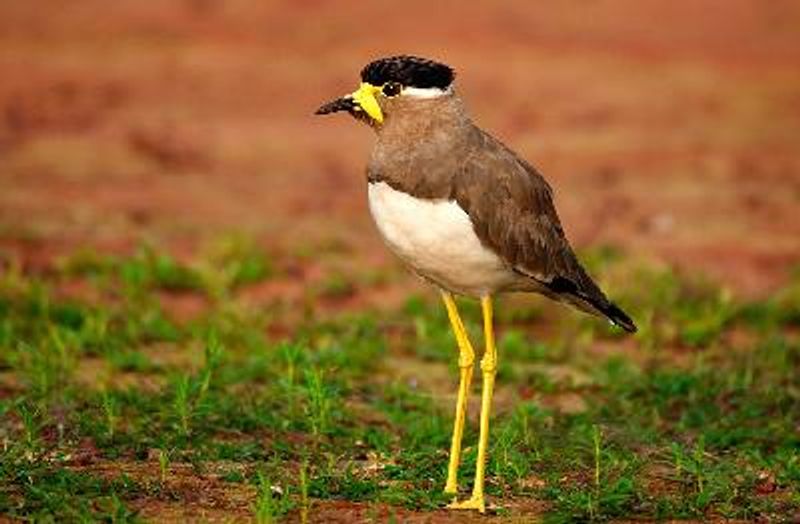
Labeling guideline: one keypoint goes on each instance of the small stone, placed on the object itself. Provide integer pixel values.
(766, 483)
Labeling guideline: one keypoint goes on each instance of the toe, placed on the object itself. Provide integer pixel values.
(473, 503)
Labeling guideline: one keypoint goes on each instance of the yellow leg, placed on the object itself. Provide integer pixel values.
(488, 370)
(466, 358)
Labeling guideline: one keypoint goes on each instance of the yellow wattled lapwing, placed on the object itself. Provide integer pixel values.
(465, 213)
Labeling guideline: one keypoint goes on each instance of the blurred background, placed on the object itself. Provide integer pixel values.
(199, 321)
(668, 129)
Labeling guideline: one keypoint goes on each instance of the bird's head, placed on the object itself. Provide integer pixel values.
(390, 84)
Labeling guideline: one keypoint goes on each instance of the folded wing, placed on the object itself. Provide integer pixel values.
(511, 207)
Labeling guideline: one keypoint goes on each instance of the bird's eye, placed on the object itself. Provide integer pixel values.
(392, 89)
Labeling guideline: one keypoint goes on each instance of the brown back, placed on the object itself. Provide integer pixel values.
(431, 149)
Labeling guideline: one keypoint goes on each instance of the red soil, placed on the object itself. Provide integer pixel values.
(667, 128)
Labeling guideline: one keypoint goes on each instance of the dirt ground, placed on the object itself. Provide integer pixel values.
(669, 129)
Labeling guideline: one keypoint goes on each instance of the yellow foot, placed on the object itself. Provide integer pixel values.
(472, 503)
(451, 490)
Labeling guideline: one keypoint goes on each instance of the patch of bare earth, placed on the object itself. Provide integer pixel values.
(666, 130)
(184, 493)
(343, 512)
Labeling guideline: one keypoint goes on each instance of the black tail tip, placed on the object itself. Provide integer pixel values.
(620, 318)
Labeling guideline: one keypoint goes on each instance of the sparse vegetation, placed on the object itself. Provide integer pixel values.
(106, 401)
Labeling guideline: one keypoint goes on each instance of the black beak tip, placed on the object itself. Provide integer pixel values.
(340, 104)
(323, 110)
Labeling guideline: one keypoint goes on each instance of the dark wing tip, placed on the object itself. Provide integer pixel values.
(598, 302)
(620, 318)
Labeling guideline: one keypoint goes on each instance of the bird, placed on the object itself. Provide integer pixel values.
(466, 214)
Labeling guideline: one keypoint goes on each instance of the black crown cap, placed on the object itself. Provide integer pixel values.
(410, 71)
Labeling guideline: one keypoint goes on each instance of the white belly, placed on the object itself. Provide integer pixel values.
(436, 239)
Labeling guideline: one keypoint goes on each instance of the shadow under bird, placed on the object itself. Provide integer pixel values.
(466, 214)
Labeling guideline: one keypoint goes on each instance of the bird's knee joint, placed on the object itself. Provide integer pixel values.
(466, 360)
(489, 365)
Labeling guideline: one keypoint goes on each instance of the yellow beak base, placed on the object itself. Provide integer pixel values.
(365, 98)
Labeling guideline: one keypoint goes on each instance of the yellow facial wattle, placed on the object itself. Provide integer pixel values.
(365, 97)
